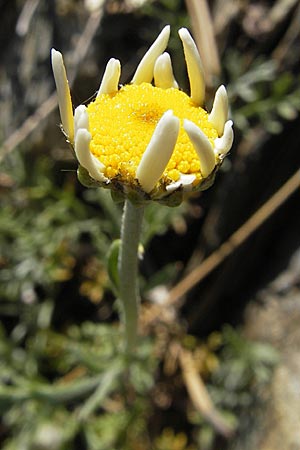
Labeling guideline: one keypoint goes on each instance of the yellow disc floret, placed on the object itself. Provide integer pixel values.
(122, 124)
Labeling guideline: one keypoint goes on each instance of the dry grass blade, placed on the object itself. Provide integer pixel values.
(25, 17)
(200, 396)
(32, 122)
(285, 45)
(205, 38)
(236, 239)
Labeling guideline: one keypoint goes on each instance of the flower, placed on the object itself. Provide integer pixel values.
(147, 141)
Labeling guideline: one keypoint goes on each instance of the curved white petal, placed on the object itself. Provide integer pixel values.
(111, 77)
(202, 146)
(85, 157)
(224, 143)
(144, 71)
(81, 119)
(219, 112)
(185, 180)
(194, 67)
(82, 145)
(158, 152)
(163, 72)
(63, 93)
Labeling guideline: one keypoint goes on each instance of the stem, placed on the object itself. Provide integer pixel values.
(52, 393)
(128, 271)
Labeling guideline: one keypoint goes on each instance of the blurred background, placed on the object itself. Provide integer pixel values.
(219, 362)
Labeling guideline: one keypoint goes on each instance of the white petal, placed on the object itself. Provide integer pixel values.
(224, 143)
(63, 93)
(144, 71)
(81, 119)
(158, 152)
(219, 112)
(185, 180)
(194, 67)
(85, 157)
(111, 77)
(202, 146)
(163, 72)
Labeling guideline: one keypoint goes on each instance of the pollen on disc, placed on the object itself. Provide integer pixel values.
(122, 124)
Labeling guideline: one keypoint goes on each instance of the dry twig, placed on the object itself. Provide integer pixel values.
(199, 395)
(235, 240)
(32, 122)
(205, 38)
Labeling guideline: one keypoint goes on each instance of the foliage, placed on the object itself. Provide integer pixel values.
(86, 365)
(236, 384)
(64, 381)
(261, 94)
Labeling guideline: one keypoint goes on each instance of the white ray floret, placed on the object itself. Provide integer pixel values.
(63, 93)
(224, 143)
(185, 181)
(202, 146)
(194, 67)
(111, 77)
(163, 72)
(82, 145)
(81, 119)
(85, 158)
(144, 71)
(219, 112)
(158, 151)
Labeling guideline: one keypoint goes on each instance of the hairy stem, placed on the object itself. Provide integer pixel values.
(128, 271)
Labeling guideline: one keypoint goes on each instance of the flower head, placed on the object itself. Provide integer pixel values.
(147, 141)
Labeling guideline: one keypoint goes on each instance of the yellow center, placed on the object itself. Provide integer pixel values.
(122, 123)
